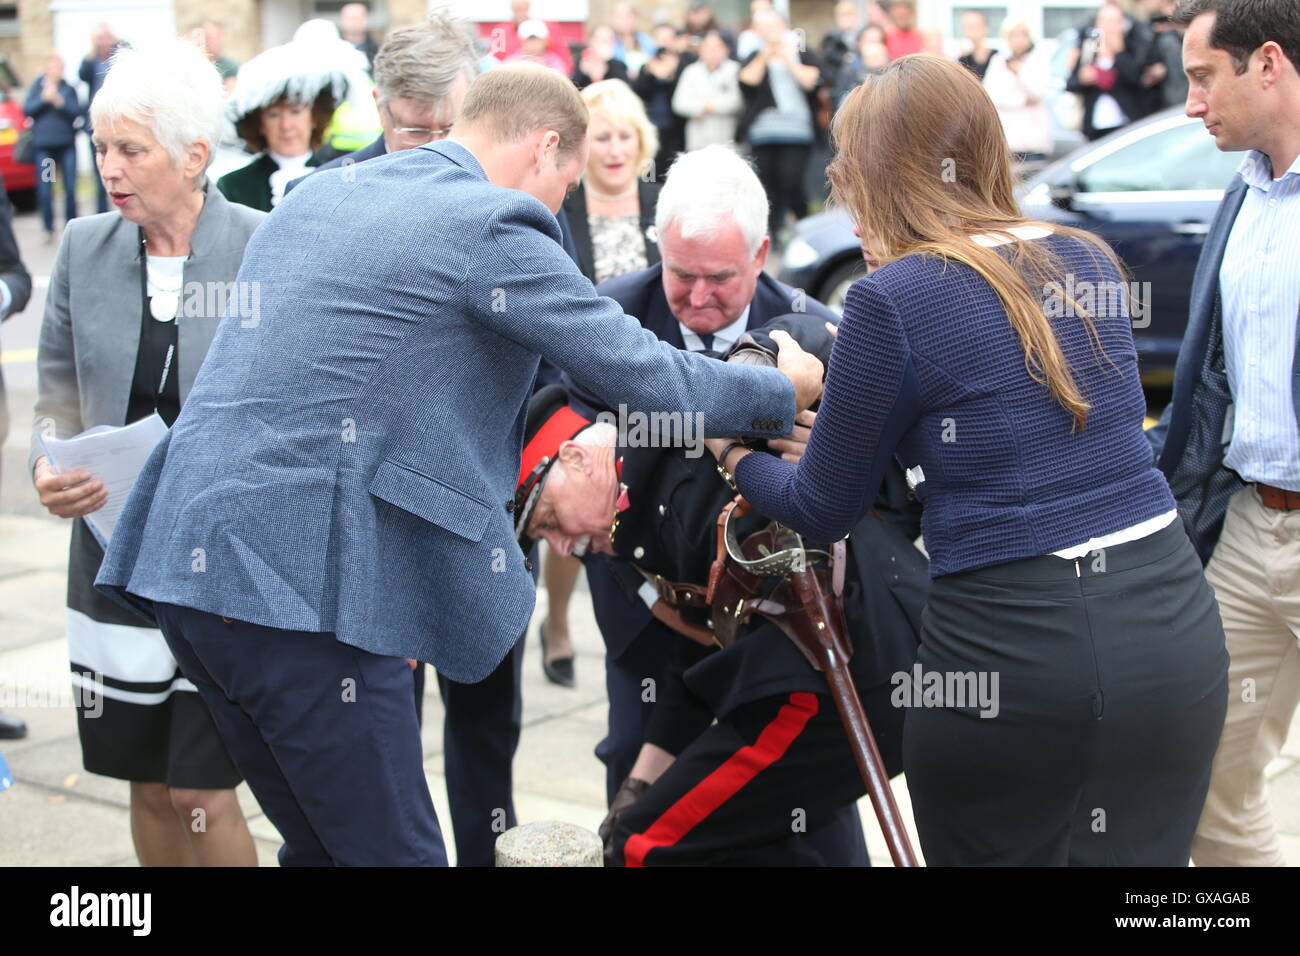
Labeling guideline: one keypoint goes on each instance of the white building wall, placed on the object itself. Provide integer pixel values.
(497, 11)
(137, 21)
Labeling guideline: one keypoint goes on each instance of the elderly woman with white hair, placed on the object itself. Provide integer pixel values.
(133, 304)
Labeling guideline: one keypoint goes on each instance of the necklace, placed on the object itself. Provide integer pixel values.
(603, 197)
(165, 300)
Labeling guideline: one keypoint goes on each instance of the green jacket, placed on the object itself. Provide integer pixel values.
(251, 185)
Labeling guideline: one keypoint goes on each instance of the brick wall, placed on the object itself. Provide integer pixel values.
(241, 20)
(37, 38)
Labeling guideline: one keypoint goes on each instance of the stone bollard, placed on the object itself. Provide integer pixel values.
(549, 843)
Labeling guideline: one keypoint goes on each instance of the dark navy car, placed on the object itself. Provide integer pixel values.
(1150, 190)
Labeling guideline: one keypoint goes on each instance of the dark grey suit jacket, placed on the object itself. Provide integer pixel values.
(1190, 440)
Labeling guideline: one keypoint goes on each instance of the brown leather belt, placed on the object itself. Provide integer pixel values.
(678, 595)
(1278, 498)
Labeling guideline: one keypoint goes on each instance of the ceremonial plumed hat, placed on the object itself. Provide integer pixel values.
(550, 423)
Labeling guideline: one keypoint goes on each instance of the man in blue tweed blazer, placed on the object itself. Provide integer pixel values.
(334, 496)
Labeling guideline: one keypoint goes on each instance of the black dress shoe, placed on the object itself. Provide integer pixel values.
(560, 670)
(11, 728)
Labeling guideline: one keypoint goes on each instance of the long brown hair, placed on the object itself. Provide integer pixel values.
(922, 166)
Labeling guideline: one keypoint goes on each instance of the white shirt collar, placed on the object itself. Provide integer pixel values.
(1257, 170)
(723, 339)
(1020, 232)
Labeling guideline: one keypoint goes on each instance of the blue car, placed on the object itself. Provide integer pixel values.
(1150, 190)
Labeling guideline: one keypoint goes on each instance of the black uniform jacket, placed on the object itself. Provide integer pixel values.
(670, 529)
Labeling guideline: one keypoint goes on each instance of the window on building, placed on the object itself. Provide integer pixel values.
(9, 20)
(329, 10)
(994, 16)
(1058, 19)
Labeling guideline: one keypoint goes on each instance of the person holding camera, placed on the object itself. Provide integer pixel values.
(54, 109)
(656, 84)
(1108, 72)
(779, 122)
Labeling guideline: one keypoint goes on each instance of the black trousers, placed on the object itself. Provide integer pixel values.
(630, 706)
(480, 734)
(781, 169)
(771, 784)
(1109, 680)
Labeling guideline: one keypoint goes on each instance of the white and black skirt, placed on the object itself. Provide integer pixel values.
(138, 717)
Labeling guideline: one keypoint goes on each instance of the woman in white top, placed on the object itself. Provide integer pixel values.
(1017, 83)
(708, 95)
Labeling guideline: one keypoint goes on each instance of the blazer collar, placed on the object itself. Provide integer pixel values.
(209, 231)
(458, 154)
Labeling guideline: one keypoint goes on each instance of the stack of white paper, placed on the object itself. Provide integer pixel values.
(114, 456)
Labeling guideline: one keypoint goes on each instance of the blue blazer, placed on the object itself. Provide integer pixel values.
(621, 615)
(1189, 441)
(347, 458)
(380, 148)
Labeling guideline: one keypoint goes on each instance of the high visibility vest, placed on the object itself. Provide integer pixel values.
(353, 126)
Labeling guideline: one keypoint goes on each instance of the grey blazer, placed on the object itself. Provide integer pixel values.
(91, 329)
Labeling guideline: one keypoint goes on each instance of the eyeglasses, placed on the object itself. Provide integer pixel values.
(411, 136)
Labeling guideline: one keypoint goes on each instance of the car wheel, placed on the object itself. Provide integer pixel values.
(836, 285)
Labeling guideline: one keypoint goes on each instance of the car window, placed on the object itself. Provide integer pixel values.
(1181, 157)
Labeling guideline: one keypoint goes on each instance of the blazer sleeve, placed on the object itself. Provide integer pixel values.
(872, 397)
(12, 271)
(34, 106)
(58, 394)
(526, 289)
(645, 83)
(71, 102)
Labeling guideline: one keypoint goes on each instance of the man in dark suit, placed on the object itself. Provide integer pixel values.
(15, 290)
(709, 290)
(1230, 441)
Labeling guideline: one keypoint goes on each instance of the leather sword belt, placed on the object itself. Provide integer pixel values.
(773, 575)
(740, 579)
(1278, 498)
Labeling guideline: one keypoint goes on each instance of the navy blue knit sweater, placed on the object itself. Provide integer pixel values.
(928, 367)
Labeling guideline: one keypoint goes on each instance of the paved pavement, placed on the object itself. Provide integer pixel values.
(57, 814)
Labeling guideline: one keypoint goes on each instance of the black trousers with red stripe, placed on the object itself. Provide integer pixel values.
(743, 792)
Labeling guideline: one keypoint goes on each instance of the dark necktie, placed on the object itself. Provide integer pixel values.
(707, 339)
